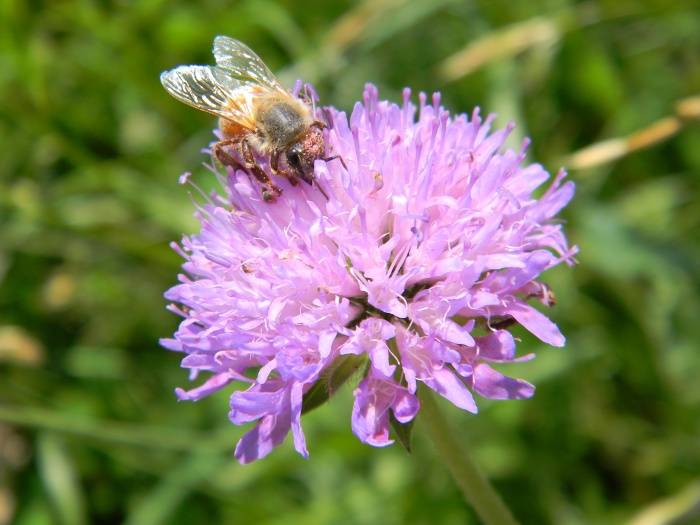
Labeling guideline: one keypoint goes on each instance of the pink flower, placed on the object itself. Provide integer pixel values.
(428, 248)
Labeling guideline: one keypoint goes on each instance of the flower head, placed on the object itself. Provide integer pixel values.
(429, 246)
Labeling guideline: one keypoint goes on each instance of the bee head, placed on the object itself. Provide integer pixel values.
(302, 154)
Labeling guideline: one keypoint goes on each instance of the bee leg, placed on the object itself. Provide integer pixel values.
(275, 168)
(327, 159)
(222, 156)
(268, 194)
(320, 188)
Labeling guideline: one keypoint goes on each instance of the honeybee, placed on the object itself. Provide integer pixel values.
(256, 115)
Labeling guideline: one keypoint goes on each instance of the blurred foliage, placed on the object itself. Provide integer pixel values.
(92, 148)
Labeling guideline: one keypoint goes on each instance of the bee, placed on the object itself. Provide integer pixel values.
(256, 115)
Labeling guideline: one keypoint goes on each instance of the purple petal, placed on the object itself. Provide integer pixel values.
(263, 438)
(446, 383)
(536, 323)
(374, 396)
(213, 384)
(496, 346)
(493, 385)
(370, 415)
(405, 405)
(297, 432)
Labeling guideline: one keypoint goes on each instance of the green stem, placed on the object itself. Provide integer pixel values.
(475, 488)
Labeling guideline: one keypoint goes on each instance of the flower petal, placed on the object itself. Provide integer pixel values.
(493, 385)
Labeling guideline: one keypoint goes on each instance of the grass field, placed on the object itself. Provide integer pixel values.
(92, 149)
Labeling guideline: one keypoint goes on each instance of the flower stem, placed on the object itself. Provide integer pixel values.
(476, 489)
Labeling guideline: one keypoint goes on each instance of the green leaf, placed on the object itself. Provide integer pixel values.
(403, 431)
(59, 476)
(340, 372)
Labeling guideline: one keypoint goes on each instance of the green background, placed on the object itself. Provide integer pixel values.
(91, 148)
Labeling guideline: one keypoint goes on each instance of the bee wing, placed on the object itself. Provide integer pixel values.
(212, 90)
(241, 62)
